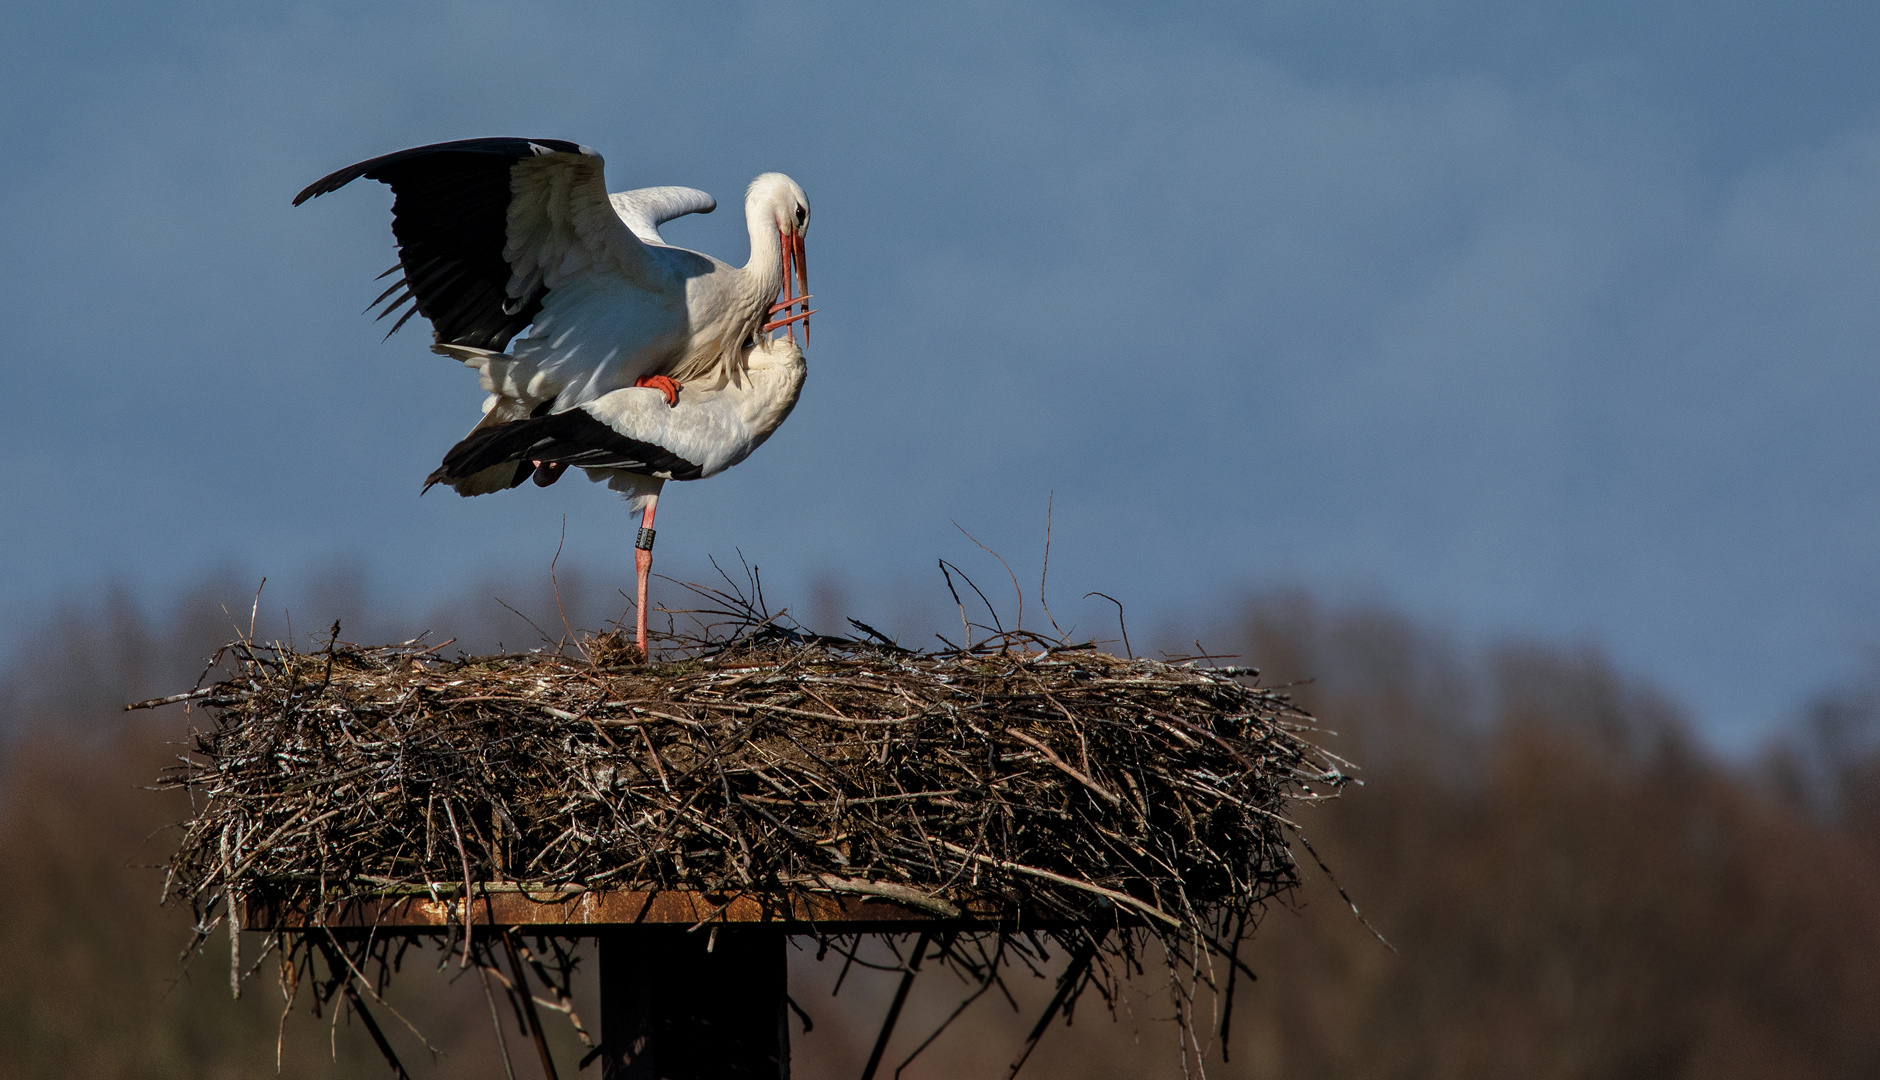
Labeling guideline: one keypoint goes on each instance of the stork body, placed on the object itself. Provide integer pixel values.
(644, 362)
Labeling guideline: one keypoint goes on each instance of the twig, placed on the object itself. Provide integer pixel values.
(1083, 886)
(1107, 795)
(894, 1007)
(1016, 591)
(469, 889)
(189, 695)
(1067, 983)
(365, 1017)
(528, 1006)
(1045, 572)
(1119, 620)
(496, 1021)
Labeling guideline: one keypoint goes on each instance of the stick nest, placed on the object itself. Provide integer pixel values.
(1074, 787)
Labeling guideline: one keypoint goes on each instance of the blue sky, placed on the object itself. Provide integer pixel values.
(1551, 319)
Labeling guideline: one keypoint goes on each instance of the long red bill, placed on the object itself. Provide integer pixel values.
(802, 279)
(789, 290)
(795, 286)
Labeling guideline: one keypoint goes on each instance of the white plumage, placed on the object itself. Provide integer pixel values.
(715, 425)
(643, 363)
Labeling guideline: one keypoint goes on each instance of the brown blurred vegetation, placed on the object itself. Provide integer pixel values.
(1573, 886)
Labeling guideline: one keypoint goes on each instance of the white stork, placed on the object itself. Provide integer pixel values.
(646, 362)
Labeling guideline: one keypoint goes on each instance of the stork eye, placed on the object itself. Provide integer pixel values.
(801, 214)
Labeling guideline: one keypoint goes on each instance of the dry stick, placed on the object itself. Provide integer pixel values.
(848, 962)
(231, 897)
(1086, 950)
(879, 637)
(231, 874)
(810, 715)
(562, 1002)
(966, 628)
(528, 1006)
(1045, 573)
(556, 588)
(992, 975)
(1119, 620)
(808, 1024)
(365, 1017)
(838, 712)
(1039, 745)
(468, 888)
(426, 652)
(334, 948)
(997, 627)
(546, 640)
(290, 989)
(372, 1026)
(1353, 904)
(171, 700)
(509, 989)
(1233, 969)
(1206, 734)
(894, 1008)
(326, 680)
(496, 1019)
(1008, 570)
(901, 894)
(1119, 897)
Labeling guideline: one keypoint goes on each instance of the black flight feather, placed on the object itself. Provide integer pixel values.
(450, 215)
(573, 438)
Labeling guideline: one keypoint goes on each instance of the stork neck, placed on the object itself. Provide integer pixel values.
(766, 263)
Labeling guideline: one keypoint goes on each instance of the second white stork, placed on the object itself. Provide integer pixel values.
(644, 362)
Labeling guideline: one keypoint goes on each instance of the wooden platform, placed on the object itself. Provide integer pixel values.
(583, 912)
(674, 1005)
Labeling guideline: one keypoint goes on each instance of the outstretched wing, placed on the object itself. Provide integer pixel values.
(646, 209)
(486, 227)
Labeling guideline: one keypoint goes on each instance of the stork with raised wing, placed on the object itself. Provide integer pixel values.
(644, 362)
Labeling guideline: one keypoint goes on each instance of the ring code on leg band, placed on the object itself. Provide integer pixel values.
(645, 540)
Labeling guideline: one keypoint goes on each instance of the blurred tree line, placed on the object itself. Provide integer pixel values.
(1572, 885)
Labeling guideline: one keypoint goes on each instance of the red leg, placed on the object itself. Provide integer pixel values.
(663, 384)
(643, 562)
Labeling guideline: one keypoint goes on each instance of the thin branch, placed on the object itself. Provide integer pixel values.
(894, 1007)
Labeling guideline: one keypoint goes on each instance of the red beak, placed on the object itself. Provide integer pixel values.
(795, 266)
(802, 279)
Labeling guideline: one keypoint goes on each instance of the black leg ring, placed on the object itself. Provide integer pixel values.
(645, 540)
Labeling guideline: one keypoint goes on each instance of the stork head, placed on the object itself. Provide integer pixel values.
(776, 198)
(780, 199)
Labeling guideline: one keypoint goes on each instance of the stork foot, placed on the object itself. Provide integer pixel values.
(663, 384)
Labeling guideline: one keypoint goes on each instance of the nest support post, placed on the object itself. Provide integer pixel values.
(697, 1005)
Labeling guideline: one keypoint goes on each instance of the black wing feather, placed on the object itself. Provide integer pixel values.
(573, 438)
(450, 215)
